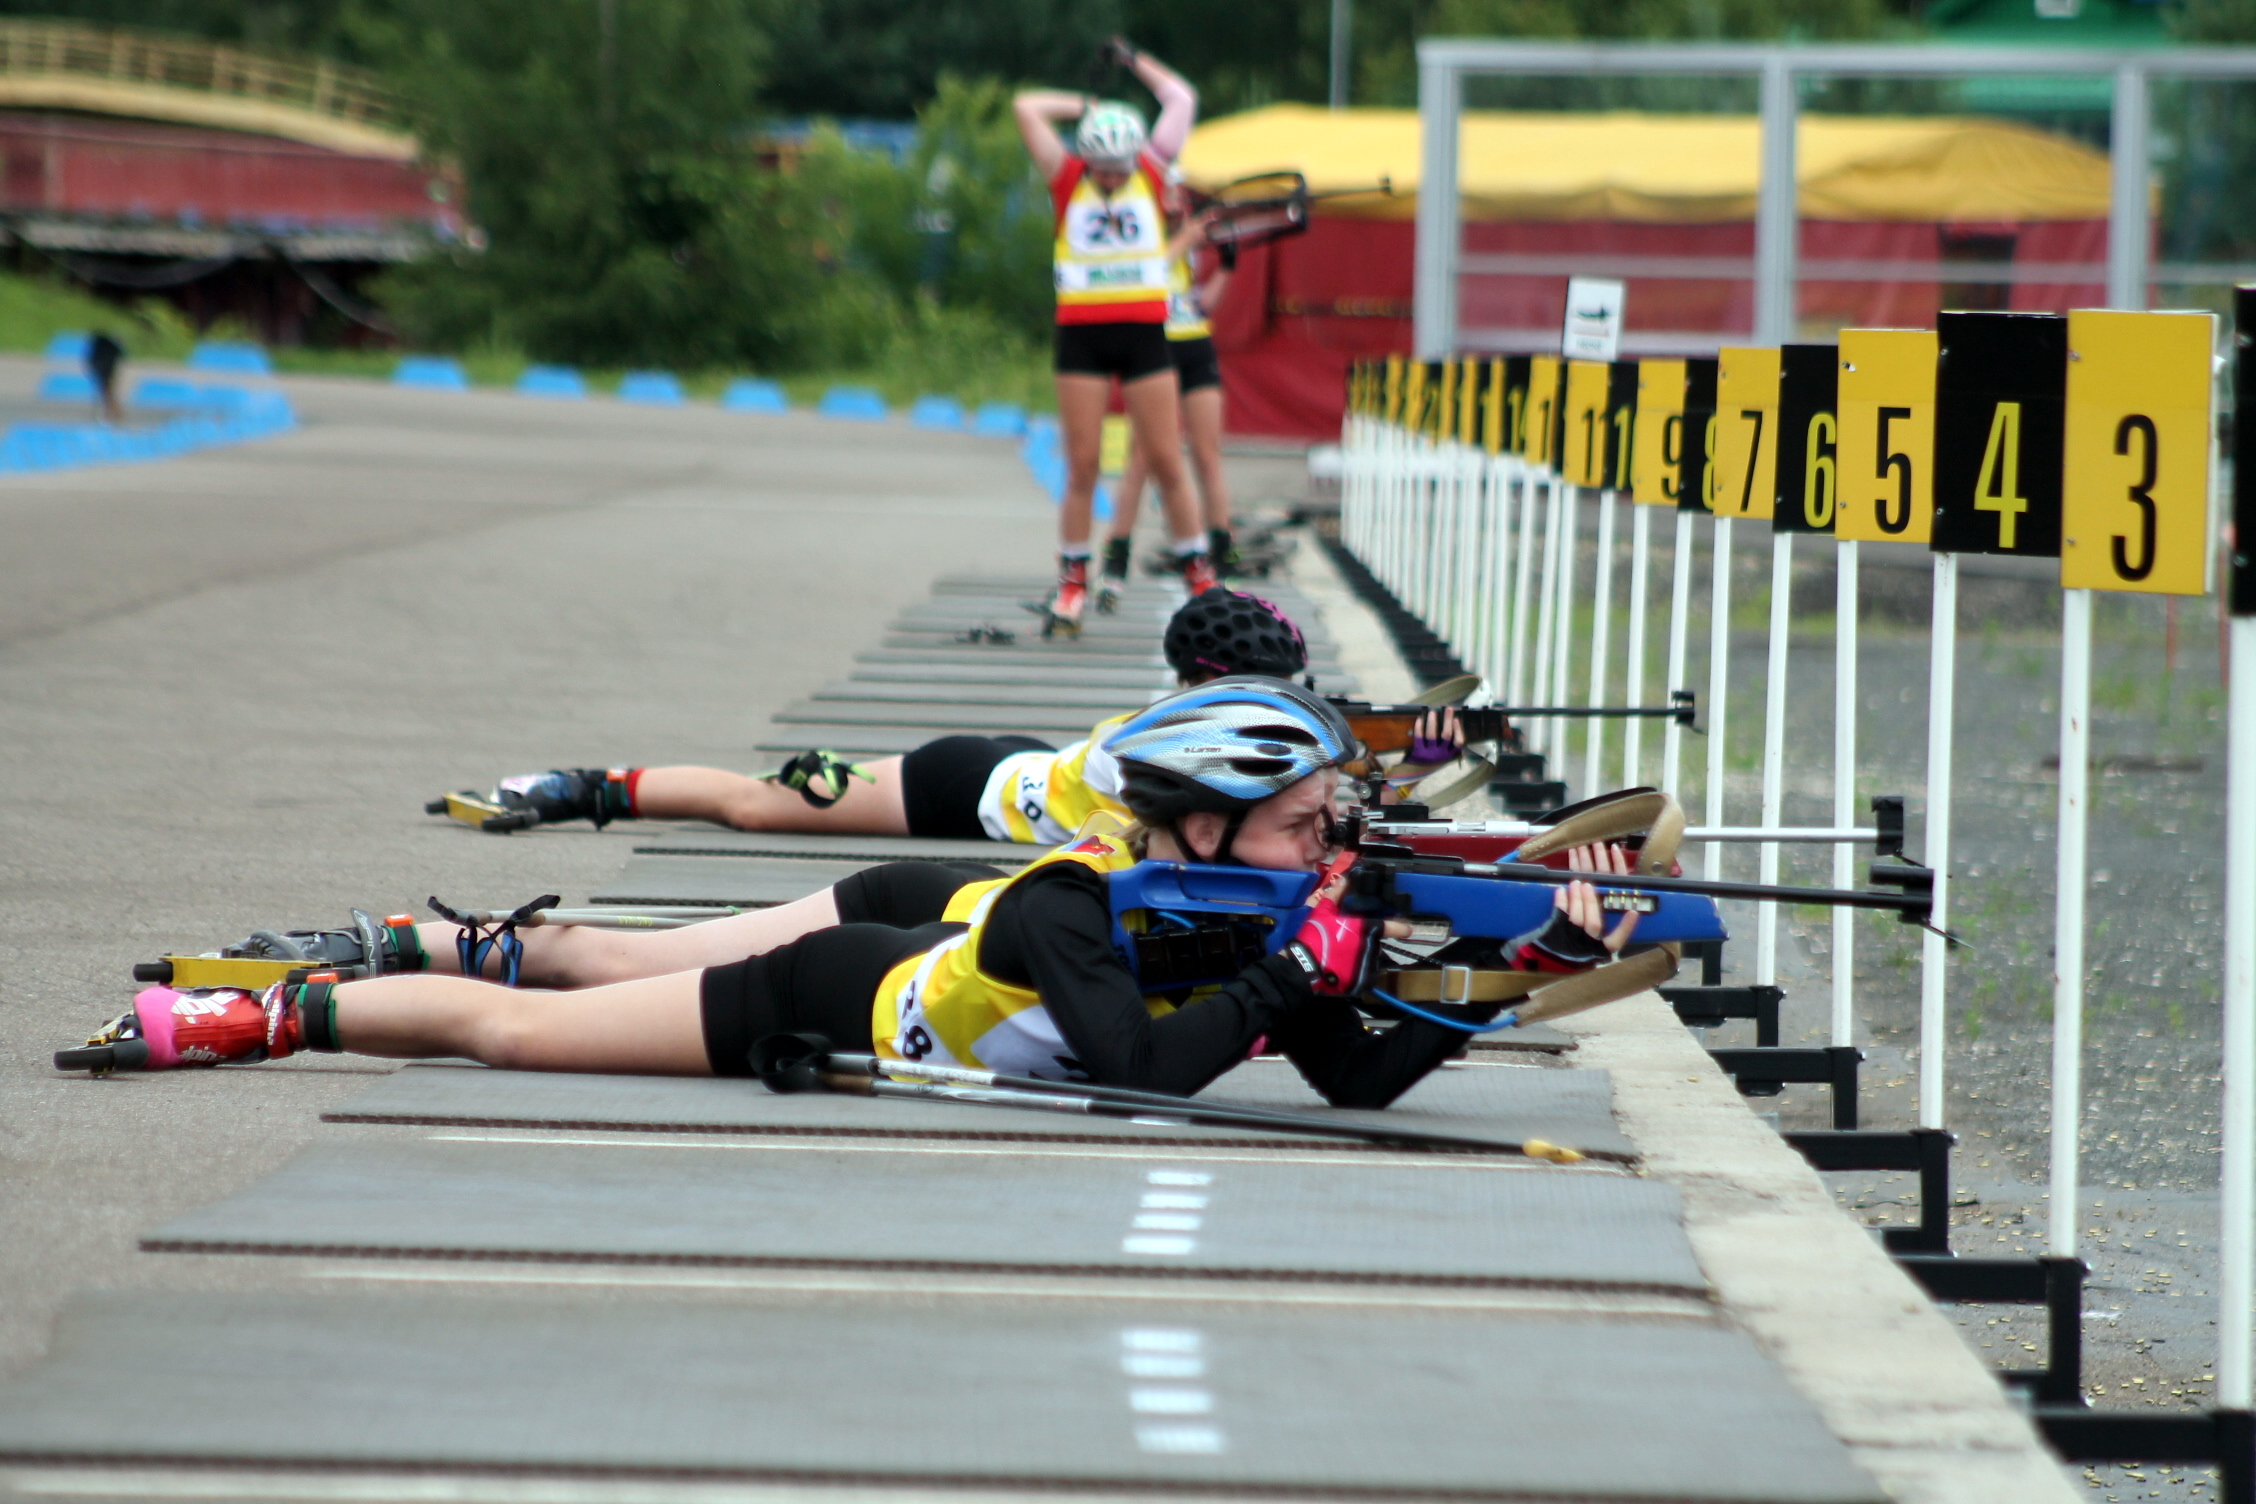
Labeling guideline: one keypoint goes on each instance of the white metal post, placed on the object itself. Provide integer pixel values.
(1640, 581)
(1934, 952)
(1601, 631)
(1523, 597)
(2068, 915)
(1777, 205)
(2236, 1284)
(2128, 211)
(1719, 680)
(1547, 617)
(1774, 749)
(1434, 309)
(1562, 641)
(1680, 627)
(1844, 783)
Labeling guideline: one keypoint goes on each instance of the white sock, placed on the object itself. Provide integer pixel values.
(1185, 547)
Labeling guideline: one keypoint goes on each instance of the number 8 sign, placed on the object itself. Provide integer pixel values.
(2135, 507)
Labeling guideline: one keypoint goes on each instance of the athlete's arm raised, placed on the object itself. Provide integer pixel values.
(1178, 101)
(1038, 111)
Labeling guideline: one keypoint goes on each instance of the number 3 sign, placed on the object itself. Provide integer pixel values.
(2136, 499)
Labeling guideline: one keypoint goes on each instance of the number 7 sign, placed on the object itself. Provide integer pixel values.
(2135, 505)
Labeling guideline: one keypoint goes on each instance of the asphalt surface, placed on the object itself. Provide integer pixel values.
(232, 679)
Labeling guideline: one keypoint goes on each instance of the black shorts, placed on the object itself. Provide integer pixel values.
(1196, 365)
(824, 983)
(905, 894)
(1128, 351)
(942, 780)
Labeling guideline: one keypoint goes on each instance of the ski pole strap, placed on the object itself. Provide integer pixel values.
(482, 935)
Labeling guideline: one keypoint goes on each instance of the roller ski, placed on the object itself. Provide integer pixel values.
(365, 948)
(170, 1027)
(530, 799)
(1061, 613)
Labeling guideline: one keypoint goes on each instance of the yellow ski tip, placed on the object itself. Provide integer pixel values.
(1558, 1154)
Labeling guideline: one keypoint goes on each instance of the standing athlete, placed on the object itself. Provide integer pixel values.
(1112, 260)
(1198, 373)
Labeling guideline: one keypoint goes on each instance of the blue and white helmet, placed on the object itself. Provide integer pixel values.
(1225, 746)
(1110, 135)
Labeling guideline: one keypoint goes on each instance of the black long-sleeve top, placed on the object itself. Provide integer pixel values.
(1052, 932)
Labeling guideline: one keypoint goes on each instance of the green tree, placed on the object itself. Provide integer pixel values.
(627, 218)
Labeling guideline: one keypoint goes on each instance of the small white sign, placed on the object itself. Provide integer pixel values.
(1594, 318)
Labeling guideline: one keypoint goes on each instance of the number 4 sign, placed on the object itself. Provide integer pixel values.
(2000, 389)
(2137, 491)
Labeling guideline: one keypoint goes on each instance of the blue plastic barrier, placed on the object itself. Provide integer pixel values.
(66, 386)
(857, 402)
(68, 345)
(233, 359)
(937, 412)
(165, 394)
(749, 394)
(651, 388)
(238, 416)
(999, 420)
(551, 381)
(436, 373)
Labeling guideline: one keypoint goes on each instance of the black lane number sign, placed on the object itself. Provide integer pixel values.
(1809, 439)
(2000, 406)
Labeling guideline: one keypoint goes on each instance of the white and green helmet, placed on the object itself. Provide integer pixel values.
(1110, 135)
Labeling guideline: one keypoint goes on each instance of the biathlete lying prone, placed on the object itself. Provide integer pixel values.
(1000, 788)
(1021, 974)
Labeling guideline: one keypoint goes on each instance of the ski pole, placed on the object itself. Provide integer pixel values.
(793, 1063)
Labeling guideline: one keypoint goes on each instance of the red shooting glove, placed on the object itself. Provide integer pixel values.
(1332, 948)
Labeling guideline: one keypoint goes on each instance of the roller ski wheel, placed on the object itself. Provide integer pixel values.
(170, 1027)
(1108, 598)
(529, 799)
(367, 947)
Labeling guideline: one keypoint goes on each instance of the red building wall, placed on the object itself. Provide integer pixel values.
(127, 170)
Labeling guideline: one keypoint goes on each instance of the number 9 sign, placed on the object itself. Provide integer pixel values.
(2135, 507)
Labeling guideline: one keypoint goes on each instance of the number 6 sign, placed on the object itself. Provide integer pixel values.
(2135, 507)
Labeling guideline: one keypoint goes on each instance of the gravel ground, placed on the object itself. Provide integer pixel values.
(2150, 1126)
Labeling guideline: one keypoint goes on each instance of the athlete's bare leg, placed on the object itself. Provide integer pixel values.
(1182, 523)
(570, 955)
(872, 808)
(1155, 411)
(1202, 422)
(1081, 411)
(653, 1027)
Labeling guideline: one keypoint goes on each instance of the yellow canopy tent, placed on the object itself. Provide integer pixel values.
(1669, 169)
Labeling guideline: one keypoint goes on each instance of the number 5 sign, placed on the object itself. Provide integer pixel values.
(2136, 500)
(1885, 456)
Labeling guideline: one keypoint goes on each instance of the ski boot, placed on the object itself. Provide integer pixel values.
(169, 1026)
(1062, 613)
(366, 948)
(529, 799)
(1114, 580)
(820, 776)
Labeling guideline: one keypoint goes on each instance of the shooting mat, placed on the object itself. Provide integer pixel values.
(1319, 1404)
(954, 1208)
(1496, 1102)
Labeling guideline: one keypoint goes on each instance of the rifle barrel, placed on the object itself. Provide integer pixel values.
(1910, 902)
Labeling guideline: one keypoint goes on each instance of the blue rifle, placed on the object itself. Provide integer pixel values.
(1206, 924)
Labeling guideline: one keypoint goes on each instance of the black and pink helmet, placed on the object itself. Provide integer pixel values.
(1222, 632)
